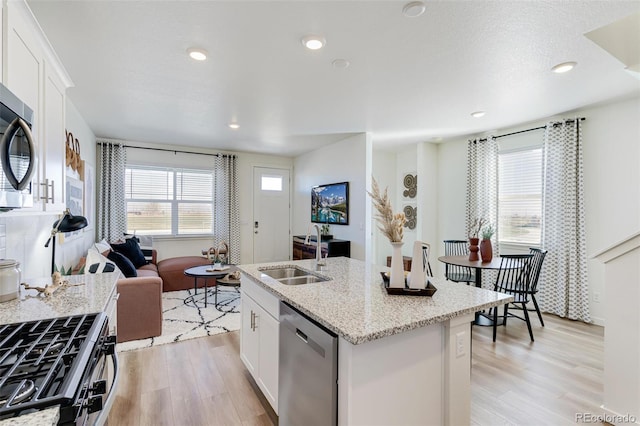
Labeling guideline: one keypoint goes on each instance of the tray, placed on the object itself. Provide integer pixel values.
(428, 291)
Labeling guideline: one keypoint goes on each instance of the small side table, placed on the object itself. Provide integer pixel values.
(206, 273)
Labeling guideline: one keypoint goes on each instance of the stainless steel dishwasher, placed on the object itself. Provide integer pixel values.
(308, 381)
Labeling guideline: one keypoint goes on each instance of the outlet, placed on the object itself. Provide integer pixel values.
(596, 297)
(460, 344)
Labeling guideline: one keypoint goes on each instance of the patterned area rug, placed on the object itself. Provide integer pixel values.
(185, 317)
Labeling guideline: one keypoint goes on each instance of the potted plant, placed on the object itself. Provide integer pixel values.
(324, 232)
(486, 249)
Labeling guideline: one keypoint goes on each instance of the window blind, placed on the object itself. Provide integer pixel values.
(520, 196)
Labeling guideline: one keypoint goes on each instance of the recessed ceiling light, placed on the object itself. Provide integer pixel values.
(197, 53)
(477, 114)
(563, 67)
(413, 9)
(313, 42)
(340, 63)
(234, 126)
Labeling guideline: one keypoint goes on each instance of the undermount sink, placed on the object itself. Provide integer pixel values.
(293, 276)
(288, 272)
(308, 279)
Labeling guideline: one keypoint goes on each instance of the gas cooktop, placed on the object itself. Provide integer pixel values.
(44, 363)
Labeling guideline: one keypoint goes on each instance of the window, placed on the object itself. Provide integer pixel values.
(520, 196)
(169, 201)
(271, 183)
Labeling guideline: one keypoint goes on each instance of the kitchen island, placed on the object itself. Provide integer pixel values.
(401, 359)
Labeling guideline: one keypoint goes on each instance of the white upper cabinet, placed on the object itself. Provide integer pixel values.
(32, 71)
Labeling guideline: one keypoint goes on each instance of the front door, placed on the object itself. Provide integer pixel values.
(271, 230)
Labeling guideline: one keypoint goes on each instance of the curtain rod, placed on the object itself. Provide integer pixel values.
(531, 130)
(175, 151)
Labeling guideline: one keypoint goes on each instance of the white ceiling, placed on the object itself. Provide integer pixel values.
(410, 79)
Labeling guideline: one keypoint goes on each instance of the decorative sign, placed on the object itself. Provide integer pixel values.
(411, 183)
(412, 216)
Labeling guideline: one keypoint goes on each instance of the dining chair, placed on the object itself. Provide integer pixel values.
(426, 251)
(536, 267)
(514, 279)
(458, 273)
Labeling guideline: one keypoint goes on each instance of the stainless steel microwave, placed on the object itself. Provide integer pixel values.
(17, 152)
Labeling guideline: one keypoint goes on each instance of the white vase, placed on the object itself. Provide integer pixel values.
(417, 278)
(396, 279)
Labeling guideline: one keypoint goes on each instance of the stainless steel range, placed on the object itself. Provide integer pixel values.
(60, 361)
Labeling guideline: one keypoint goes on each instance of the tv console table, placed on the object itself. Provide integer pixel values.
(330, 248)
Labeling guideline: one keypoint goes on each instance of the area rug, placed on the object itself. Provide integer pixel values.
(185, 317)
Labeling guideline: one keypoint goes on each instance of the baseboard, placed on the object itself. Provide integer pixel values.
(598, 321)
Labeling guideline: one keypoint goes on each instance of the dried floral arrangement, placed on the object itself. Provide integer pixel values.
(391, 224)
(488, 231)
(476, 226)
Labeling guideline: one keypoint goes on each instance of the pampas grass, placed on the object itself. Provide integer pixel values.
(391, 224)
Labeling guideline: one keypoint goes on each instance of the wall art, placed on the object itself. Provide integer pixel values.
(411, 183)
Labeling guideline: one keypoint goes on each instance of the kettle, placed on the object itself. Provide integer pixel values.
(9, 279)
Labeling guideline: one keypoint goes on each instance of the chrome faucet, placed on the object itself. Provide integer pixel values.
(319, 260)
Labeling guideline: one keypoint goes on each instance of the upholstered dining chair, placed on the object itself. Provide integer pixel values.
(426, 251)
(514, 278)
(536, 267)
(454, 272)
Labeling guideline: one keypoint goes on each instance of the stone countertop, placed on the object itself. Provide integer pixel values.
(355, 305)
(91, 297)
(47, 417)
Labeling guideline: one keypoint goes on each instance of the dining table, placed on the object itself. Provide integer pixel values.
(478, 265)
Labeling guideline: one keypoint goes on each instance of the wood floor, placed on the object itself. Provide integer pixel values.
(514, 382)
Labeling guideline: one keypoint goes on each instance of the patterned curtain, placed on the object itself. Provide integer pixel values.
(563, 281)
(482, 186)
(226, 219)
(112, 214)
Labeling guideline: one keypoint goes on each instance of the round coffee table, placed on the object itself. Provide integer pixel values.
(207, 272)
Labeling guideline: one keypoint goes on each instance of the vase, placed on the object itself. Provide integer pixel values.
(486, 251)
(417, 277)
(473, 249)
(396, 278)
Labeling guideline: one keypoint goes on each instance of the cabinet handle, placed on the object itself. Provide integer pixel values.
(253, 321)
(47, 185)
(255, 324)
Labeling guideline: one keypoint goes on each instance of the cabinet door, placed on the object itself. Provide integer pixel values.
(249, 342)
(53, 144)
(269, 332)
(23, 76)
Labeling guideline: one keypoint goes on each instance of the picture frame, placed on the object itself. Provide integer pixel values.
(75, 196)
(89, 191)
(330, 203)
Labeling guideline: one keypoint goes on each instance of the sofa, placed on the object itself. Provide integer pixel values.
(140, 301)
(140, 304)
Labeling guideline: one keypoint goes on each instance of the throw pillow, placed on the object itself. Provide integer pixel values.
(131, 249)
(146, 244)
(97, 263)
(103, 247)
(123, 263)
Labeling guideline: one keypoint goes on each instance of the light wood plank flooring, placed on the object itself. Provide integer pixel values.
(203, 382)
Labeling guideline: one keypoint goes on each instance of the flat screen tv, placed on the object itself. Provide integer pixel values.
(330, 203)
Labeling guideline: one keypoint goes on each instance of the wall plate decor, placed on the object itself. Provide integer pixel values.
(411, 183)
(412, 216)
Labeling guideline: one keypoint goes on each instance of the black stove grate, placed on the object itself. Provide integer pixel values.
(42, 362)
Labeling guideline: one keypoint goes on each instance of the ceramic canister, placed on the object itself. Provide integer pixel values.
(9, 279)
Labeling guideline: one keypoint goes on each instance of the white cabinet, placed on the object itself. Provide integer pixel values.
(259, 338)
(35, 75)
(52, 148)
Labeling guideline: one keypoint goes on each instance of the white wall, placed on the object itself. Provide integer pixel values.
(611, 135)
(343, 161)
(26, 233)
(192, 246)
